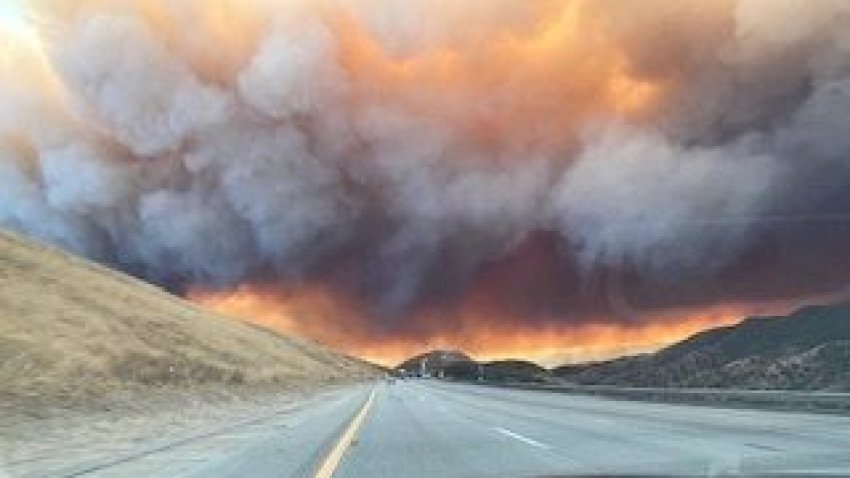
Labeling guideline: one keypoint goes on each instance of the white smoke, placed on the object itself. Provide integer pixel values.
(122, 77)
(633, 197)
(294, 72)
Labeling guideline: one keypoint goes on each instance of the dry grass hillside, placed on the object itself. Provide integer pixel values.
(806, 350)
(72, 332)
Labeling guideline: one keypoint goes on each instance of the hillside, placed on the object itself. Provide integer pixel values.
(434, 362)
(807, 350)
(514, 371)
(72, 332)
(458, 365)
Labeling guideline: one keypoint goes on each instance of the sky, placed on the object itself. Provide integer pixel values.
(569, 179)
(10, 14)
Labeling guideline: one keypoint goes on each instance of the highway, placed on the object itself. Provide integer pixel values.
(427, 428)
(434, 429)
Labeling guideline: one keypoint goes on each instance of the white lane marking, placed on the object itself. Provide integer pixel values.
(526, 440)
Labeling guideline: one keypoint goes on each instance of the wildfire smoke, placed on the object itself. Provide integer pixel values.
(500, 176)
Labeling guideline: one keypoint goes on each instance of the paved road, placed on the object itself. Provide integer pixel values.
(287, 442)
(435, 429)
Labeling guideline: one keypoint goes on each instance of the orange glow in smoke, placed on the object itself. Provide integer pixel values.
(316, 316)
(540, 82)
(530, 85)
(545, 81)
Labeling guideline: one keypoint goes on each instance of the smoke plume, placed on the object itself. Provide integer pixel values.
(421, 162)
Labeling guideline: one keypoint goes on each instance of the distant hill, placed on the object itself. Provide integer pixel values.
(455, 364)
(807, 350)
(72, 331)
(514, 371)
(435, 362)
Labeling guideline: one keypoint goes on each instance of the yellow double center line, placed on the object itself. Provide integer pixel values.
(334, 458)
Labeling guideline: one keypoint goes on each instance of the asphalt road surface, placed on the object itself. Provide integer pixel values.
(434, 429)
(428, 428)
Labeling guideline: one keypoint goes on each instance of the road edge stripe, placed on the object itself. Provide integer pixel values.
(331, 463)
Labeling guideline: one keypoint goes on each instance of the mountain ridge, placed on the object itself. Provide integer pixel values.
(806, 350)
(456, 364)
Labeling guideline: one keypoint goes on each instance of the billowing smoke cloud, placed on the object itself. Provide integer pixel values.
(416, 155)
(636, 199)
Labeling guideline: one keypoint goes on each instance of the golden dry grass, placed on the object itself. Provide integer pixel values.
(73, 331)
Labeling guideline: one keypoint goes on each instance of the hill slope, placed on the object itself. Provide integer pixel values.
(432, 363)
(458, 365)
(807, 350)
(71, 330)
